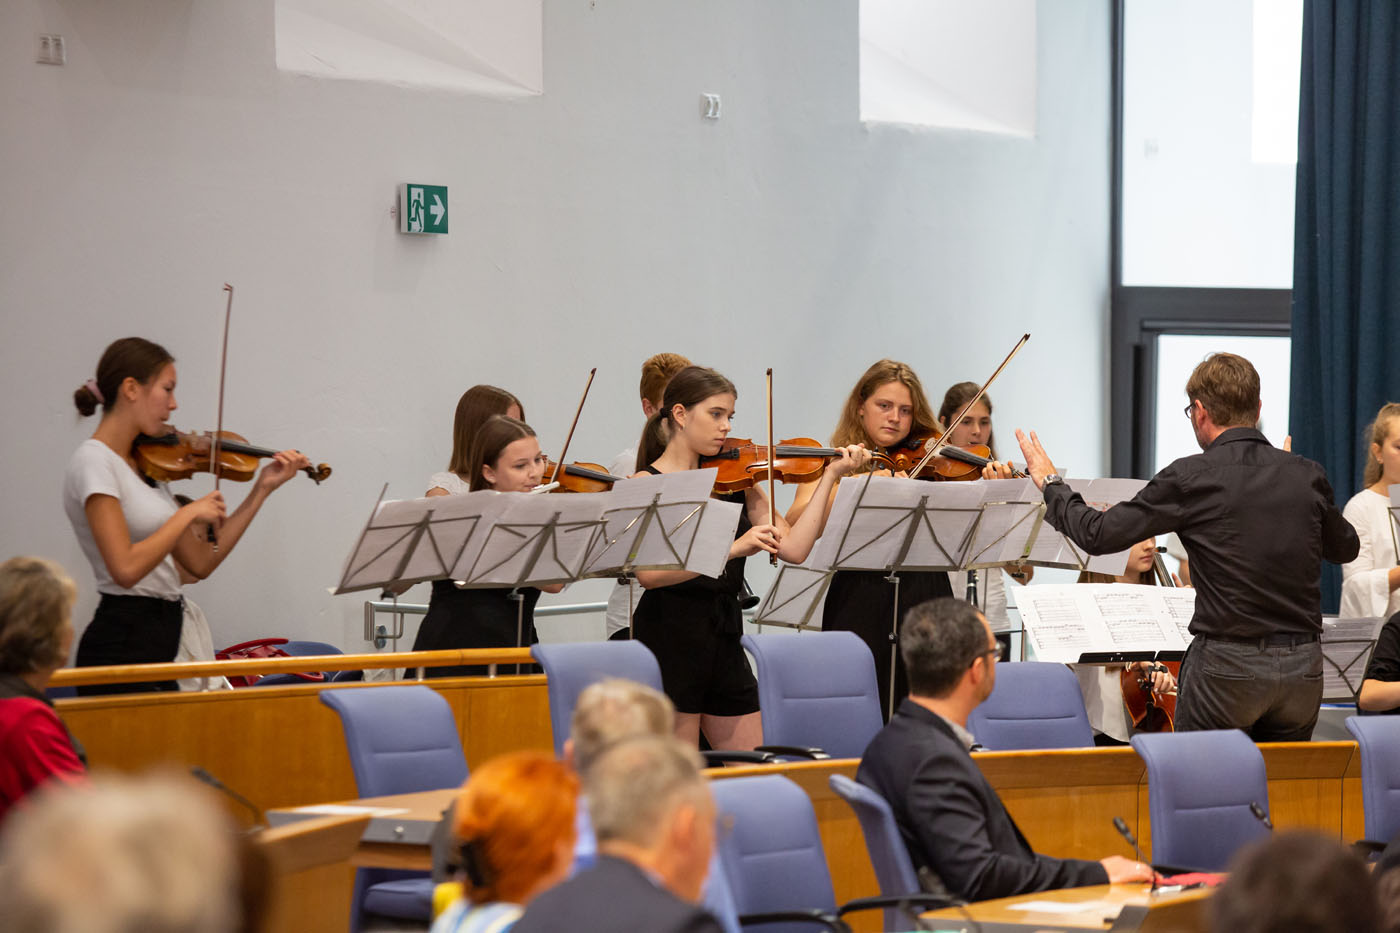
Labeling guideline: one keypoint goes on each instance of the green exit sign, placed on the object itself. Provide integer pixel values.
(422, 208)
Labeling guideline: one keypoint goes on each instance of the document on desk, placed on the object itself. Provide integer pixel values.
(1065, 621)
(1101, 908)
(341, 809)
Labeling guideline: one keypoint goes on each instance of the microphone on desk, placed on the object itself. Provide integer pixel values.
(1260, 815)
(1127, 834)
(259, 821)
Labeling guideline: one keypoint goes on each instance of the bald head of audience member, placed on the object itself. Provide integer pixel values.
(652, 806)
(610, 711)
(1295, 882)
(123, 855)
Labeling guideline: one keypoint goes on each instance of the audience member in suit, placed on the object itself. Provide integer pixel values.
(1296, 882)
(36, 634)
(655, 822)
(514, 828)
(962, 840)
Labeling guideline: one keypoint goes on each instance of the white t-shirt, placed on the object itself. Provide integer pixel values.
(453, 483)
(1366, 580)
(991, 595)
(622, 596)
(97, 469)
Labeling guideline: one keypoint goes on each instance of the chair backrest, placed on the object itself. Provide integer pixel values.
(894, 870)
(1379, 739)
(1035, 704)
(1199, 789)
(303, 648)
(570, 669)
(817, 689)
(773, 860)
(400, 739)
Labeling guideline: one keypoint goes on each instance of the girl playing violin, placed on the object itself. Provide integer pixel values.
(476, 405)
(884, 408)
(505, 456)
(1102, 684)
(692, 623)
(1371, 583)
(129, 527)
(975, 429)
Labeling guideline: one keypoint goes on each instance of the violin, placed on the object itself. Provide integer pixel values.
(180, 456)
(950, 463)
(742, 463)
(1147, 711)
(579, 477)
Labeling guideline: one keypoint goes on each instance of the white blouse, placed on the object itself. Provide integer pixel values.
(1365, 581)
(453, 483)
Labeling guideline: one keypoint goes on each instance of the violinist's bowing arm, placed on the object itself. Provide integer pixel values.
(199, 557)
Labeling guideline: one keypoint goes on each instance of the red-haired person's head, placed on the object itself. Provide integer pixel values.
(514, 820)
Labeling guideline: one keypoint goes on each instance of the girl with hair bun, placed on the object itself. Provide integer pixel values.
(130, 528)
(692, 623)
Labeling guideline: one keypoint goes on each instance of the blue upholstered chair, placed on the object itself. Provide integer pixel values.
(570, 669)
(1035, 704)
(773, 858)
(400, 740)
(1200, 790)
(1379, 740)
(889, 856)
(817, 692)
(300, 649)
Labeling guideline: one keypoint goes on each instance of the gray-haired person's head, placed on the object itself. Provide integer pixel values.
(612, 710)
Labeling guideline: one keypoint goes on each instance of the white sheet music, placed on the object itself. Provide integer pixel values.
(431, 532)
(534, 540)
(1064, 621)
(688, 528)
(1011, 515)
(874, 516)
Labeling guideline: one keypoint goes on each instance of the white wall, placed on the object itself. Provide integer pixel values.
(591, 226)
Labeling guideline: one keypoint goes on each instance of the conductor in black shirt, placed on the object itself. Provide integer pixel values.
(1256, 522)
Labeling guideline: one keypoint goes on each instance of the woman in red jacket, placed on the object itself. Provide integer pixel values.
(36, 634)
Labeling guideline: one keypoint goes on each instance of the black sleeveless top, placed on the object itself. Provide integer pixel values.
(729, 584)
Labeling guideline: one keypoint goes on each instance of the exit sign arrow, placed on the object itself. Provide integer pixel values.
(422, 208)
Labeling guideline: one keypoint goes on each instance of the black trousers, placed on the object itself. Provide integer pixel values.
(1270, 689)
(131, 630)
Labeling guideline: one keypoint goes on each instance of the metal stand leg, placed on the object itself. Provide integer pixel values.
(894, 643)
(519, 621)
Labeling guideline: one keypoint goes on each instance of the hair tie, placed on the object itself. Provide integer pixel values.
(91, 386)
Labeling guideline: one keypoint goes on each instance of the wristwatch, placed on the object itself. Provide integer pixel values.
(1052, 479)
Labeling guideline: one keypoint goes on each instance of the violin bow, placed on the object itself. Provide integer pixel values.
(962, 412)
(559, 464)
(772, 467)
(219, 417)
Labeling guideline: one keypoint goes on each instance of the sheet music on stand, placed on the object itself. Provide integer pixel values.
(1105, 623)
(1054, 549)
(412, 540)
(793, 597)
(1347, 645)
(536, 540)
(664, 522)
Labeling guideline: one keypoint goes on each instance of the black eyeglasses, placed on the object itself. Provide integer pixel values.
(1190, 406)
(997, 652)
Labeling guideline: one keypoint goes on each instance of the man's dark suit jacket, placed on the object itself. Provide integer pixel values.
(951, 819)
(614, 896)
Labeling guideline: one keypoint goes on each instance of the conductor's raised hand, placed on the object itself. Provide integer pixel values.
(1038, 462)
(758, 538)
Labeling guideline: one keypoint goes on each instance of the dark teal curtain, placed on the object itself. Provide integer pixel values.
(1346, 266)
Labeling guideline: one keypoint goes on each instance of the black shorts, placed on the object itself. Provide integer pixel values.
(703, 669)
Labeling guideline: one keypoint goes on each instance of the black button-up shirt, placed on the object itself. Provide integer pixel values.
(1256, 521)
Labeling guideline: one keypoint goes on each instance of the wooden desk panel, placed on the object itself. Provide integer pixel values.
(280, 746)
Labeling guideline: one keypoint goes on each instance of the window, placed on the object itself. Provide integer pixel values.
(949, 63)
(488, 47)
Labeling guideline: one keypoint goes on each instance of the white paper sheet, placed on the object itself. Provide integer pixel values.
(1064, 621)
(534, 540)
(688, 530)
